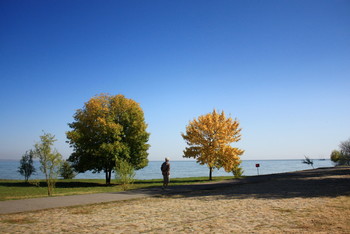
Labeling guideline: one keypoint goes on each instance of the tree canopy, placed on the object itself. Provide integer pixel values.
(209, 139)
(105, 129)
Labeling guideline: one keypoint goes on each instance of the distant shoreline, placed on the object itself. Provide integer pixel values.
(179, 169)
(318, 159)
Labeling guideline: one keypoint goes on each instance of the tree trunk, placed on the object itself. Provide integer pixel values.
(210, 173)
(108, 176)
(49, 187)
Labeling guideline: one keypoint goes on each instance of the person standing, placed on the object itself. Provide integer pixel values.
(165, 172)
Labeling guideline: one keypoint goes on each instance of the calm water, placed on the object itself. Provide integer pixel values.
(179, 169)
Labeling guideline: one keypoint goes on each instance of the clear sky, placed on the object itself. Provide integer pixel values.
(282, 68)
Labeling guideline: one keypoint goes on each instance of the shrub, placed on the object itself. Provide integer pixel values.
(66, 171)
(335, 156)
(124, 173)
(237, 171)
(342, 157)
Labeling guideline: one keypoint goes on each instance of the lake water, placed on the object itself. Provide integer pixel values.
(179, 169)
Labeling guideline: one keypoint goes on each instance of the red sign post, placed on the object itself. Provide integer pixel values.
(257, 167)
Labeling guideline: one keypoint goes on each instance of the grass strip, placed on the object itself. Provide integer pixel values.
(18, 189)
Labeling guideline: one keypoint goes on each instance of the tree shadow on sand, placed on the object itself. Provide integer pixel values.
(326, 182)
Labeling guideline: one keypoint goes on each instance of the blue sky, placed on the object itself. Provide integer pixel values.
(282, 68)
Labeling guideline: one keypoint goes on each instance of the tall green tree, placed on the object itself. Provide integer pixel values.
(50, 160)
(26, 167)
(106, 129)
(209, 140)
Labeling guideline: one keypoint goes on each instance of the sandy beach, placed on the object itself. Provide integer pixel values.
(315, 201)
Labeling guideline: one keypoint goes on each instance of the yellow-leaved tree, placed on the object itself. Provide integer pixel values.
(209, 140)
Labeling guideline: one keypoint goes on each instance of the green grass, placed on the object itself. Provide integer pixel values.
(18, 189)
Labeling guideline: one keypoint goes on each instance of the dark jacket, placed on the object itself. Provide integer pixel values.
(165, 168)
